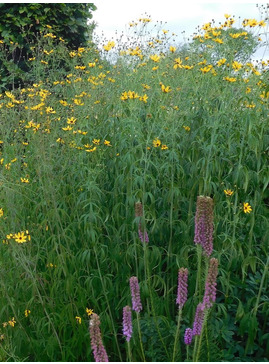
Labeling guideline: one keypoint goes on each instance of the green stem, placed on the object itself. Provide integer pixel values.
(176, 344)
(140, 336)
(261, 287)
(129, 355)
(107, 303)
(151, 299)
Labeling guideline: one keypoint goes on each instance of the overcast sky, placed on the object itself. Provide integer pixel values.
(114, 15)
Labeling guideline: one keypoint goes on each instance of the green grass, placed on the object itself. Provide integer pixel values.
(79, 203)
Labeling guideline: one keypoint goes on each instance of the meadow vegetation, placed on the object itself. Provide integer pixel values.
(116, 161)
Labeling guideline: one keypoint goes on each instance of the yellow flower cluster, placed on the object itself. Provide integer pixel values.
(131, 95)
(20, 237)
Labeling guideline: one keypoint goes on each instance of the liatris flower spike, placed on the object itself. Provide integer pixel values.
(99, 352)
(135, 292)
(204, 224)
(143, 235)
(127, 323)
(198, 320)
(138, 209)
(182, 290)
(188, 336)
(210, 285)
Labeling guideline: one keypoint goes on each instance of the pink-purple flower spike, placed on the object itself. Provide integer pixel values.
(135, 293)
(182, 290)
(210, 285)
(204, 225)
(99, 352)
(127, 322)
(198, 320)
(188, 336)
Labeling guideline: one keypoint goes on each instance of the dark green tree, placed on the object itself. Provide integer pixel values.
(21, 24)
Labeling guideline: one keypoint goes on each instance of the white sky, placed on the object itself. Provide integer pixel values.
(180, 15)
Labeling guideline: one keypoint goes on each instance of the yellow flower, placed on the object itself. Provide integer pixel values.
(172, 49)
(96, 141)
(91, 150)
(155, 58)
(247, 208)
(107, 47)
(24, 180)
(49, 110)
(228, 192)
(156, 142)
(20, 237)
(144, 98)
(187, 128)
(165, 89)
(27, 312)
(107, 142)
(78, 319)
(1, 212)
(68, 128)
(71, 121)
(230, 79)
(12, 322)
(164, 147)
(89, 311)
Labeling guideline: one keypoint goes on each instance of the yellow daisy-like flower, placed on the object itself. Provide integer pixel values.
(78, 319)
(20, 237)
(27, 313)
(89, 311)
(164, 147)
(228, 192)
(156, 142)
(107, 142)
(247, 208)
(1, 212)
(96, 141)
(71, 120)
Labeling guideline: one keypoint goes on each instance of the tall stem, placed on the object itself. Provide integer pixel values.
(140, 336)
(176, 344)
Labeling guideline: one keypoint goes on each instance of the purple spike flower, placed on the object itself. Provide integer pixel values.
(210, 285)
(198, 320)
(188, 336)
(143, 235)
(135, 292)
(99, 352)
(127, 323)
(182, 290)
(204, 223)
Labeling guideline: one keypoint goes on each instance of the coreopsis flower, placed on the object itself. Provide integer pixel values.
(204, 224)
(1, 212)
(188, 336)
(99, 351)
(247, 208)
(127, 323)
(210, 285)
(182, 290)
(27, 313)
(20, 237)
(228, 192)
(198, 320)
(135, 293)
(156, 143)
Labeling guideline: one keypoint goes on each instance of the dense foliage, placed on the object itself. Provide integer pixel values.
(21, 24)
(100, 170)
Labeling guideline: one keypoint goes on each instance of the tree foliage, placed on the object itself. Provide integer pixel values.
(21, 24)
